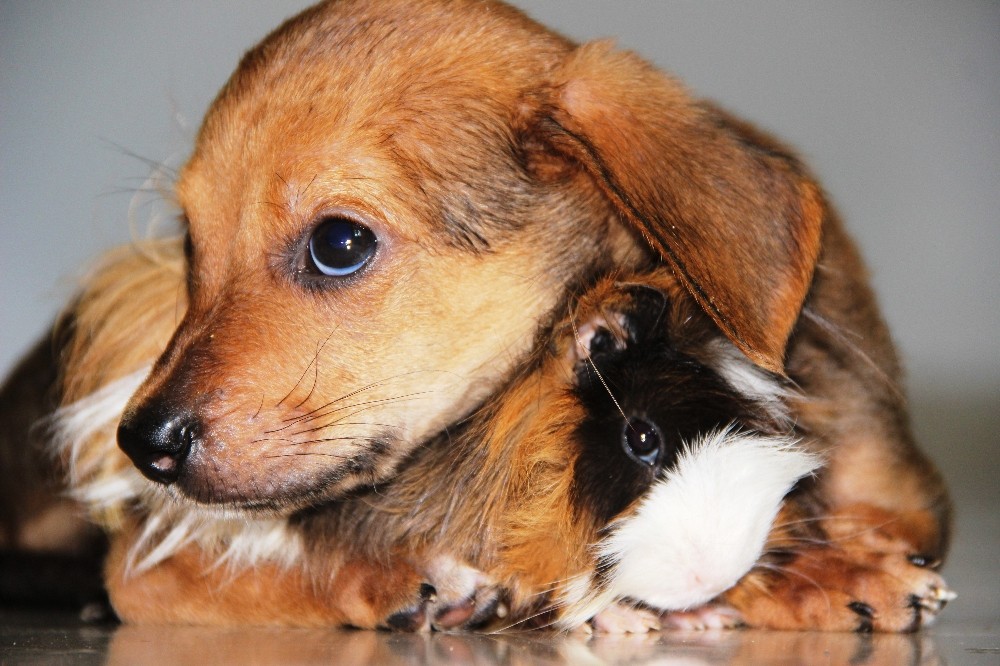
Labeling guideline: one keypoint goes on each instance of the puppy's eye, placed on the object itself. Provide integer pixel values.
(642, 440)
(340, 246)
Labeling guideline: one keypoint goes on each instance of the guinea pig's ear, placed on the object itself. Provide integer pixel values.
(601, 334)
(736, 218)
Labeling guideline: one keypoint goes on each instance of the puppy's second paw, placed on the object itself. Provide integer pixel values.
(443, 595)
(833, 589)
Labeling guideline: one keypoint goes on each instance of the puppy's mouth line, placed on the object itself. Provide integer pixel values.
(287, 490)
(266, 507)
(228, 509)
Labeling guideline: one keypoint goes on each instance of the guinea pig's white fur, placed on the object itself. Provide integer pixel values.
(697, 531)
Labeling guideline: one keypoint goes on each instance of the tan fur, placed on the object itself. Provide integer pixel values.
(186, 590)
(503, 169)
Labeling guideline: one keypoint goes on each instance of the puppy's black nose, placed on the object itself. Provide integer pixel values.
(158, 440)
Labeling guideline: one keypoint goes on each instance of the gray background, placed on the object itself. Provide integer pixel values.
(895, 104)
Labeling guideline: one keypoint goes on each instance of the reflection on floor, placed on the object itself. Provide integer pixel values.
(24, 638)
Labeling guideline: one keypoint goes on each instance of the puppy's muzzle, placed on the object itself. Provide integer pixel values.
(158, 439)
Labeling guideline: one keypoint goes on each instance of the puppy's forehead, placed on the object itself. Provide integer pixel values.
(386, 90)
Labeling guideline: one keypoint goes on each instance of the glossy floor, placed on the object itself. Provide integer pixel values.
(38, 639)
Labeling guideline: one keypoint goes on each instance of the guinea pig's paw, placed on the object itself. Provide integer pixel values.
(708, 617)
(623, 618)
(466, 598)
(832, 589)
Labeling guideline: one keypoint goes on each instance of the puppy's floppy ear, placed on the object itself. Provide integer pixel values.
(736, 218)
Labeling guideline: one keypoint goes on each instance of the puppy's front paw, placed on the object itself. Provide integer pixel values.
(908, 595)
(896, 606)
(373, 595)
(443, 595)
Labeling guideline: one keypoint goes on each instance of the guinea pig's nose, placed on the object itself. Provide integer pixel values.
(158, 439)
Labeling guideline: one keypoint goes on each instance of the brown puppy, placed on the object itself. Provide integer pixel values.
(389, 200)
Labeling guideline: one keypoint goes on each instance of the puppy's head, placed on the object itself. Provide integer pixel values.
(386, 201)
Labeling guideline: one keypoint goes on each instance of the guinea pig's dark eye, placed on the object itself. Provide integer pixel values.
(340, 246)
(641, 440)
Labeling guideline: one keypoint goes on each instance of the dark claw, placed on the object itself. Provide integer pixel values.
(408, 621)
(428, 593)
(866, 612)
(916, 605)
(413, 619)
(486, 613)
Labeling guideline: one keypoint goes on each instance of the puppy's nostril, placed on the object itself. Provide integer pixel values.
(180, 445)
(158, 440)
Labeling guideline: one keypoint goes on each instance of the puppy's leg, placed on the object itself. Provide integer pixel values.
(854, 407)
(865, 576)
(192, 588)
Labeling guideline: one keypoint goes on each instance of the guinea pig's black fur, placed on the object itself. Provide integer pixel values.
(645, 397)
